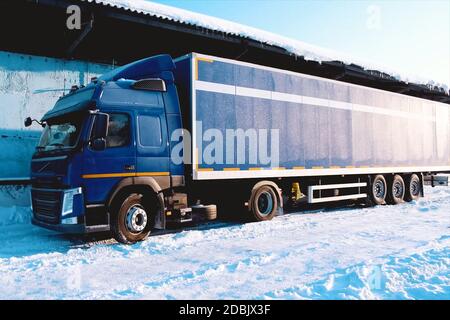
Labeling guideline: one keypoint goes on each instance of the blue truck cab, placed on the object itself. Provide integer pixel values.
(106, 145)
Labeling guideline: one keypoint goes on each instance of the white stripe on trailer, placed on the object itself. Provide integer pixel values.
(300, 99)
(215, 87)
(287, 97)
(253, 93)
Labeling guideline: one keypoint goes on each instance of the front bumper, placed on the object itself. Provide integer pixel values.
(70, 228)
(63, 210)
(64, 228)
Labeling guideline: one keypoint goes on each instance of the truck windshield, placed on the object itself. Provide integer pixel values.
(62, 133)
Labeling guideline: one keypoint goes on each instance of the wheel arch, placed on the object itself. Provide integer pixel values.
(146, 185)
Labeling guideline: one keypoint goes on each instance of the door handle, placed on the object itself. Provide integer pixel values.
(129, 167)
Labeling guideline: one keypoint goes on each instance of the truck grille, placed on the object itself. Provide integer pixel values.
(46, 205)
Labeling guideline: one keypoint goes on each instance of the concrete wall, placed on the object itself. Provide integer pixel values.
(21, 78)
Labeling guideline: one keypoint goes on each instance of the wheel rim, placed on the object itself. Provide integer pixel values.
(379, 189)
(398, 190)
(136, 219)
(265, 203)
(414, 188)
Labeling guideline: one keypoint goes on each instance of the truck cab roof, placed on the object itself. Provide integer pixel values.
(160, 66)
(142, 69)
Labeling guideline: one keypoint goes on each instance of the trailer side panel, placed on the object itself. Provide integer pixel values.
(324, 127)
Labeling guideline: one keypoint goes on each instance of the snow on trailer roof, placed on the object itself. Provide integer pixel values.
(295, 47)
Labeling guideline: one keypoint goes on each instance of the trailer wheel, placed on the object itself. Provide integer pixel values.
(396, 190)
(264, 204)
(413, 187)
(378, 190)
(131, 220)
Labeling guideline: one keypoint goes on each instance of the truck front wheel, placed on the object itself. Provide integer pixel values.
(264, 204)
(131, 220)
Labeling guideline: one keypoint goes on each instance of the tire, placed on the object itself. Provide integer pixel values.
(208, 212)
(264, 204)
(378, 190)
(413, 187)
(396, 190)
(131, 220)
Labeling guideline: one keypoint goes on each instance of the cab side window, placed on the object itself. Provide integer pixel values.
(118, 130)
(150, 131)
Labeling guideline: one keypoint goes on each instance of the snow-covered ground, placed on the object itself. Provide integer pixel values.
(386, 252)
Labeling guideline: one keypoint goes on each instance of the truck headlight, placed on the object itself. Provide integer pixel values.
(67, 207)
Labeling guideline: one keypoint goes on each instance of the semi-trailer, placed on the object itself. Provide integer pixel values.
(164, 140)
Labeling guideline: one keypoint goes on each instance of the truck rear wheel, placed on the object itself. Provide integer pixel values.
(378, 190)
(131, 220)
(413, 187)
(264, 204)
(396, 190)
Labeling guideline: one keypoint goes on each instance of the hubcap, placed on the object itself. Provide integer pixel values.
(398, 189)
(414, 189)
(379, 189)
(265, 203)
(136, 219)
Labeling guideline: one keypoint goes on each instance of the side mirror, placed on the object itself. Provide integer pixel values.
(100, 130)
(98, 144)
(27, 122)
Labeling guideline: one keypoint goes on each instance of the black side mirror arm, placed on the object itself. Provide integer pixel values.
(28, 122)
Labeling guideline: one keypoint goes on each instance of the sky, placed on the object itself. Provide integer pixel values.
(407, 35)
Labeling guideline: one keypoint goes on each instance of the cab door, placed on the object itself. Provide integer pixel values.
(102, 170)
(152, 158)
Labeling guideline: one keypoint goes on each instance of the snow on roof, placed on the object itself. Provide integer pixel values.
(296, 47)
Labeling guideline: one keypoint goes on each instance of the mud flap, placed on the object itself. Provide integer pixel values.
(160, 218)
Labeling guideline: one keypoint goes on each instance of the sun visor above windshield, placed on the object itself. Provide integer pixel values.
(145, 68)
(71, 103)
